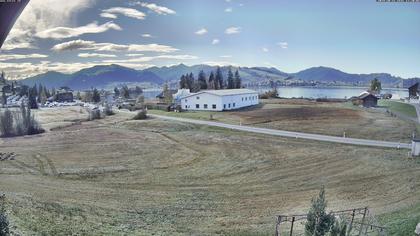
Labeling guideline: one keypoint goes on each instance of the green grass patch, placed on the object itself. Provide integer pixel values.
(399, 107)
(402, 222)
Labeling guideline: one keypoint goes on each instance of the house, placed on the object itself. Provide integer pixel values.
(220, 100)
(413, 91)
(368, 100)
(64, 94)
(180, 94)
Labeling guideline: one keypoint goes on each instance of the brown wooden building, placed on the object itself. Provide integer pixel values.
(369, 100)
(413, 91)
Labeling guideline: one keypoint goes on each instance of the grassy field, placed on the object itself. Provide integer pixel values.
(121, 177)
(398, 107)
(314, 117)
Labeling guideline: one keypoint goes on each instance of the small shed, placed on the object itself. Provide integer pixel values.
(413, 91)
(368, 100)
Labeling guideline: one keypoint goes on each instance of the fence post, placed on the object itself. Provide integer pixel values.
(363, 221)
(351, 222)
(291, 227)
(278, 226)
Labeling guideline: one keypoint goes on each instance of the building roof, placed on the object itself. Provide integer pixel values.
(225, 92)
(366, 95)
(414, 85)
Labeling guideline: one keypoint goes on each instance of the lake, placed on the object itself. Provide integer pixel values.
(330, 92)
(310, 92)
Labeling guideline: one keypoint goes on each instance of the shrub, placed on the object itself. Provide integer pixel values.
(108, 110)
(94, 114)
(141, 115)
(25, 123)
(6, 123)
(269, 94)
(4, 222)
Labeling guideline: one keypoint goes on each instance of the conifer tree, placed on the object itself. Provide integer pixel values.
(167, 94)
(219, 78)
(96, 97)
(318, 221)
(183, 82)
(376, 86)
(212, 81)
(238, 81)
(116, 92)
(202, 80)
(230, 80)
(190, 81)
(32, 98)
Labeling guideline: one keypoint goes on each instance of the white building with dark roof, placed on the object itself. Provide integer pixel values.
(219, 100)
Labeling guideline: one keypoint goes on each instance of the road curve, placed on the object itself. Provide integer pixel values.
(290, 134)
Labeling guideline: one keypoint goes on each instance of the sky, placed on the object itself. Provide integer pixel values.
(358, 36)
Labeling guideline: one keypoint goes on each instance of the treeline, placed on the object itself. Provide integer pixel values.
(126, 92)
(36, 94)
(214, 81)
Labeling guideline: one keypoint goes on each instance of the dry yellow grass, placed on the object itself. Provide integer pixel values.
(116, 176)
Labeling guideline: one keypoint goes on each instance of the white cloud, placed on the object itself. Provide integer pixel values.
(129, 12)
(146, 36)
(134, 54)
(41, 15)
(66, 32)
(10, 46)
(215, 41)
(92, 45)
(6, 57)
(283, 45)
(201, 31)
(161, 10)
(226, 56)
(264, 49)
(148, 59)
(233, 30)
(229, 9)
(25, 70)
(220, 63)
(99, 55)
(108, 15)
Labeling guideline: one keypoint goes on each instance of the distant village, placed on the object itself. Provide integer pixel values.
(212, 93)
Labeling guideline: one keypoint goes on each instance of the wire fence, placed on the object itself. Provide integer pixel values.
(360, 222)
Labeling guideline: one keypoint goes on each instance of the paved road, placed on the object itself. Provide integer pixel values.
(289, 134)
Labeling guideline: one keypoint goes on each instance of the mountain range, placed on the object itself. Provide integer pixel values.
(105, 76)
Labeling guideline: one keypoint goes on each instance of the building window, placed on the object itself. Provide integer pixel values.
(229, 105)
(224, 106)
(197, 106)
(205, 106)
(214, 106)
(186, 107)
(234, 104)
(242, 98)
(198, 98)
(246, 98)
(186, 100)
